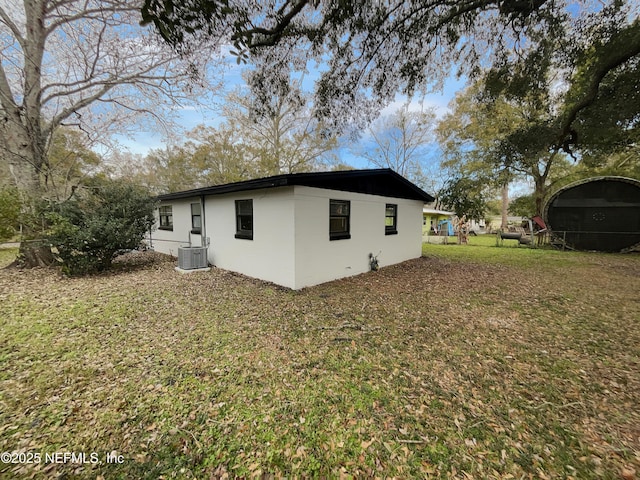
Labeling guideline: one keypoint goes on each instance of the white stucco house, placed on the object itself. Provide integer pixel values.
(297, 230)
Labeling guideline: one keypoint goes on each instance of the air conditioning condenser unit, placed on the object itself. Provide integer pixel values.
(190, 258)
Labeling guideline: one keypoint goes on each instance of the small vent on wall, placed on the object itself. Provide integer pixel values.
(190, 258)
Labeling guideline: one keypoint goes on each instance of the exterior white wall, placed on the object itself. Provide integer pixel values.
(318, 259)
(168, 241)
(291, 245)
(270, 255)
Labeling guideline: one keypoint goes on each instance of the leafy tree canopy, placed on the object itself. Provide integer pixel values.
(465, 196)
(68, 163)
(587, 78)
(523, 206)
(497, 129)
(372, 49)
(492, 138)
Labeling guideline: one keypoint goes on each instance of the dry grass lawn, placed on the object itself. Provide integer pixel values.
(470, 362)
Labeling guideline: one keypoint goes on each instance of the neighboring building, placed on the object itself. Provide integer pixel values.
(432, 219)
(297, 230)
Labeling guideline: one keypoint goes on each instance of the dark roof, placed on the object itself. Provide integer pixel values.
(384, 182)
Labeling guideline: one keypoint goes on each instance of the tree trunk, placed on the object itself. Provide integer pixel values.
(26, 179)
(539, 194)
(24, 167)
(35, 254)
(504, 224)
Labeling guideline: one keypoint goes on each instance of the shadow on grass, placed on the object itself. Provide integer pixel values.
(128, 262)
(138, 260)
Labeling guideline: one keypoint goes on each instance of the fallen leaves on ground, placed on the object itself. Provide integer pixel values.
(440, 367)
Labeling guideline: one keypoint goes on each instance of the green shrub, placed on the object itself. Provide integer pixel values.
(523, 206)
(9, 212)
(87, 233)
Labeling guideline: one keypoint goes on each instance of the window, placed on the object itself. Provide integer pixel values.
(196, 218)
(244, 219)
(391, 219)
(166, 217)
(339, 211)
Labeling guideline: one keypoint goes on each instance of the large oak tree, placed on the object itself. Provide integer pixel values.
(85, 63)
(495, 140)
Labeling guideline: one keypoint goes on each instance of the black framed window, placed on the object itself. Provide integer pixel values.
(244, 219)
(391, 219)
(166, 217)
(339, 219)
(196, 218)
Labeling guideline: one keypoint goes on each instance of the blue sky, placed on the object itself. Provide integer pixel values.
(206, 114)
(190, 116)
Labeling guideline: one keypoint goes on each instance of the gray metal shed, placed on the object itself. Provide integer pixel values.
(599, 213)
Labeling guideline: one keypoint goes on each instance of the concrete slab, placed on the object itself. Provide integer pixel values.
(193, 270)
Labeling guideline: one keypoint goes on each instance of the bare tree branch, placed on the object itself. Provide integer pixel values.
(84, 58)
(4, 18)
